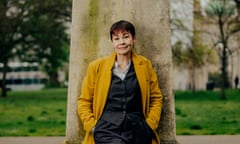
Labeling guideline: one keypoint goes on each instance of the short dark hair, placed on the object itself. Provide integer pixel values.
(122, 25)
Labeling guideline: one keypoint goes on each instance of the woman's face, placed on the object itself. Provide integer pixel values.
(123, 42)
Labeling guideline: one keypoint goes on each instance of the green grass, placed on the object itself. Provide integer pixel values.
(43, 113)
(204, 113)
(33, 113)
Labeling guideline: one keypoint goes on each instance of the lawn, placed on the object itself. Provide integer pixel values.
(43, 113)
(33, 113)
(203, 113)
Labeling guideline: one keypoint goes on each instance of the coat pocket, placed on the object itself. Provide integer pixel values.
(141, 131)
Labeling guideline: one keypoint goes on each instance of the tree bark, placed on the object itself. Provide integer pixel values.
(77, 66)
(91, 20)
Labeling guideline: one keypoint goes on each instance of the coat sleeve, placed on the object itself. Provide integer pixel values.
(85, 100)
(155, 101)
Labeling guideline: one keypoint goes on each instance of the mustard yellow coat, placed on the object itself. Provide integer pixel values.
(95, 88)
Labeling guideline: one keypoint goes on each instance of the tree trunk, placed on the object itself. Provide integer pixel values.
(3, 84)
(53, 79)
(91, 21)
(194, 79)
(77, 67)
(224, 74)
(238, 9)
(224, 59)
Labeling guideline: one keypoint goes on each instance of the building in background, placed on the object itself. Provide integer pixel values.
(24, 76)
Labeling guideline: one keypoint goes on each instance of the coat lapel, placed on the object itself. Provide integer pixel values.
(108, 72)
(141, 76)
(104, 82)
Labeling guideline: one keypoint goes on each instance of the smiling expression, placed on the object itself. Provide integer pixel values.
(123, 42)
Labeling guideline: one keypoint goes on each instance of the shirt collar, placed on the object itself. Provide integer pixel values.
(128, 65)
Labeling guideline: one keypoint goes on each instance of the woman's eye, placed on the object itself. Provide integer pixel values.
(116, 38)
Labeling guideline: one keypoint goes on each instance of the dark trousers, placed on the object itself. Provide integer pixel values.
(133, 130)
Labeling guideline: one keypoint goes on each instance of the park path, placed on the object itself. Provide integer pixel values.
(193, 139)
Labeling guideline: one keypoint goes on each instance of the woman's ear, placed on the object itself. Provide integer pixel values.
(134, 39)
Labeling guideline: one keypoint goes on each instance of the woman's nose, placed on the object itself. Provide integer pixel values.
(121, 40)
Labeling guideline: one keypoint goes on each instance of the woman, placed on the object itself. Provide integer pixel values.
(120, 101)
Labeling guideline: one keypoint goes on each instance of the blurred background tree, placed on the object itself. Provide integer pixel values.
(223, 14)
(193, 56)
(237, 2)
(34, 31)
